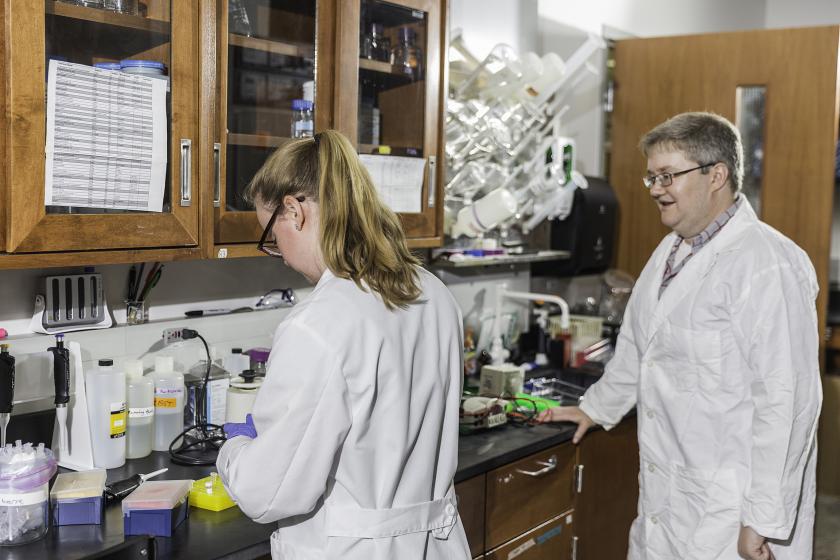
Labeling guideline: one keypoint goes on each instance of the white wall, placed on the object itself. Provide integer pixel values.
(650, 18)
(784, 13)
(183, 286)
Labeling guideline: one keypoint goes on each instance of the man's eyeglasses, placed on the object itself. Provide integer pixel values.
(268, 244)
(666, 179)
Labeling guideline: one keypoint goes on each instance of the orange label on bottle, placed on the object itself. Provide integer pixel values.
(163, 402)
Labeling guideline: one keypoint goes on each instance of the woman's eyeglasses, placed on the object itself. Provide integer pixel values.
(267, 243)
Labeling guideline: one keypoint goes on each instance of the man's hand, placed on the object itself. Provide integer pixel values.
(568, 414)
(752, 546)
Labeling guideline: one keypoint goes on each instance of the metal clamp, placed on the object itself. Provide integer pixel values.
(432, 181)
(186, 172)
(217, 178)
(548, 466)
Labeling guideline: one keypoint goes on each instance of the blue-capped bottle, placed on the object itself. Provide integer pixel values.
(303, 122)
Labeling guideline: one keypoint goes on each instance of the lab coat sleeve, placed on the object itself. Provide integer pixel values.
(302, 416)
(608, 400)
(776, 330)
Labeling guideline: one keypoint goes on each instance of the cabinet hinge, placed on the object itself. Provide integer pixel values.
(579, 479)
(574, 548)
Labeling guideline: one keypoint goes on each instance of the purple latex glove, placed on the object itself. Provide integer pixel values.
(247, 429)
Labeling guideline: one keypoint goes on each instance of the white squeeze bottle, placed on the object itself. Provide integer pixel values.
(105, 389)
(140, 393)
(169, 402)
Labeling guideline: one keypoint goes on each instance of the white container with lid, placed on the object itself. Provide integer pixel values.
(150, 68)
(241, 395)
(169, 402)
(25, 473)
(140, 393)
(105, 388)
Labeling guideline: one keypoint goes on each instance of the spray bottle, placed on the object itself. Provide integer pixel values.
(61, 374)
(7, 389)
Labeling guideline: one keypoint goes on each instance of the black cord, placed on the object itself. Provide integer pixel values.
(200, 443)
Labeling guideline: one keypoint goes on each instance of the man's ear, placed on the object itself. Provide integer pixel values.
(719, 176)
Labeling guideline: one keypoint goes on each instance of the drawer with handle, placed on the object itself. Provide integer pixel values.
(529, 492)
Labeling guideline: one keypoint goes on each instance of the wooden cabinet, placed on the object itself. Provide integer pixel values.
(527, 493)
(606, 502)
(38, 31)
(470, 495)
(574, 502)
(553, 540)
(380, 106)
(397, 105)
(229, 106)
(264, 61)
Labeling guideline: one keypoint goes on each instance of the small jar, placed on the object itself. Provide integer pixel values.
(108, 66)
(150, 68)
(25, 473)
(303, 123)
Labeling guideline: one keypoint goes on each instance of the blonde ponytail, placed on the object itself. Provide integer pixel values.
(361, 238)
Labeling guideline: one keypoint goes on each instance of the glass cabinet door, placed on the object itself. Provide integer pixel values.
(271, 90)
(107, 163)
(396, 47)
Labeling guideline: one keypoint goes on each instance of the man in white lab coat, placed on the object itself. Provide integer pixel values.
(718, 353)
(354, 440)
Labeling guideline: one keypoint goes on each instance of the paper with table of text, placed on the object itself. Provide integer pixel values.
(398, 179)
(106, 139)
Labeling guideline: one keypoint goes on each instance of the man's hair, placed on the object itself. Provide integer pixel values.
(703, 138)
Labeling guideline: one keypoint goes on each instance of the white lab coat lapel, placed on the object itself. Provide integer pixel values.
(695, 270)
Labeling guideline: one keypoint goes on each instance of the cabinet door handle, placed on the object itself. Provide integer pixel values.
(186, 172)
(217, 178)
(432, 182)
(548, 466)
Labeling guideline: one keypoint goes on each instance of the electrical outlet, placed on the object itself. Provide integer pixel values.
(171, 336)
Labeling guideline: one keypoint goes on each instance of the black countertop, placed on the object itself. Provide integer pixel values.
(230, 534)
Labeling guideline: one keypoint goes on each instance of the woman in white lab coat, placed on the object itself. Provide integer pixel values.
(355, 429)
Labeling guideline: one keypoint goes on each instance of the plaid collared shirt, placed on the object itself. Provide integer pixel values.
(697, 243)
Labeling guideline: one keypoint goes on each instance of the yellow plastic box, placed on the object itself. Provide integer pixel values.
(209, 493)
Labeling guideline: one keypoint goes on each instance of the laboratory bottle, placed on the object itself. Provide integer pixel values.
(140, 394)
(406, 57)
(303, 123)
(105, 388)
(169, 402)
(237, 361)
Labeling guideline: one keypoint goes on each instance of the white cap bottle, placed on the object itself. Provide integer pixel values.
(169, 403)
(140, 394)
(105, 388)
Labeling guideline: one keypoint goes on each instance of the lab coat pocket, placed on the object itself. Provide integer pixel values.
(703, 511)
(692, 358)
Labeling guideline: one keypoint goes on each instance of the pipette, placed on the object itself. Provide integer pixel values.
(122, 488)
(7, 390)
(61, 373)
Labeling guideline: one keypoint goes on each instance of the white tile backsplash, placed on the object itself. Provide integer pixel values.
(34, 387)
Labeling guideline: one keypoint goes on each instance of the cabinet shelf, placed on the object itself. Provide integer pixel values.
(95, 15)
(278, 47)
(256, 140)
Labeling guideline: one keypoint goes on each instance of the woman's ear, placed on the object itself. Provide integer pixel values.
(294, 208)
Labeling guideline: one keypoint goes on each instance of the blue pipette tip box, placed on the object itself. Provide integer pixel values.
(155, 522)
(78, 511)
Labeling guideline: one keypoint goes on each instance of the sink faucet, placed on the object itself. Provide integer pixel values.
(497, 351)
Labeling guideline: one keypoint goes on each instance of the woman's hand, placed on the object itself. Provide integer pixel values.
(752, 546)
(247, 429)
(568, 414)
